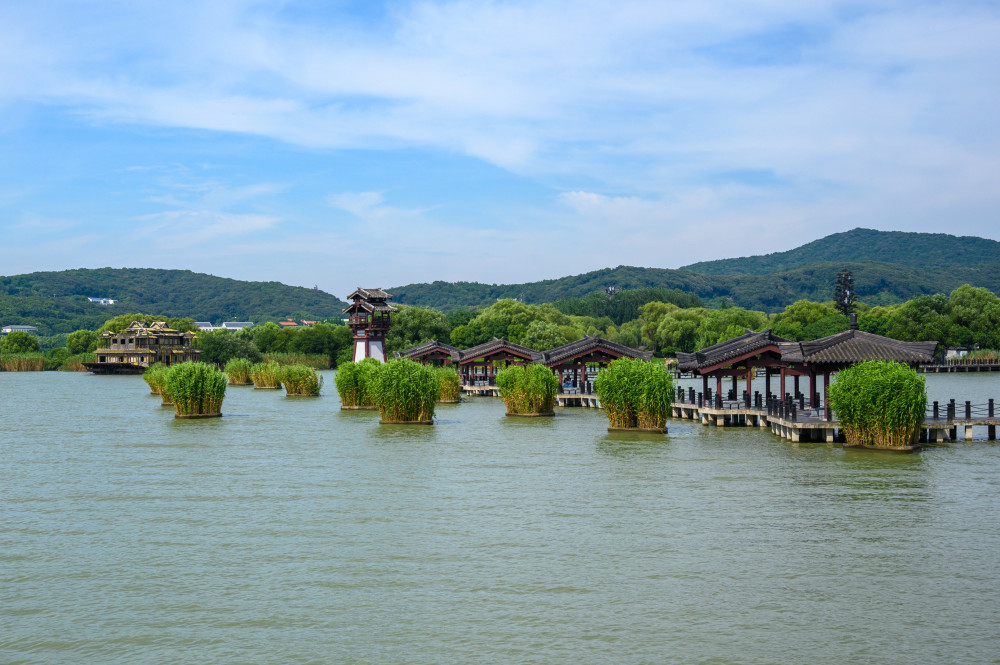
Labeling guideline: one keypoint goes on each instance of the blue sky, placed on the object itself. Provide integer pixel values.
(353, 143)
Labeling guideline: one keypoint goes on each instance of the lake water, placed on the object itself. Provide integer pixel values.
(291, 532)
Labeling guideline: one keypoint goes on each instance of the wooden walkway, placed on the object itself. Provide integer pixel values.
(810, 424)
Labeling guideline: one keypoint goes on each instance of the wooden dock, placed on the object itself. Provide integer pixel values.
(811, 424)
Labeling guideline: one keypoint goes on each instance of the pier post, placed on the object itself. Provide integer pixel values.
(968, 410)
(951, 409)
(937, 413)
(968, 433)
(991, 407)
(991, 432)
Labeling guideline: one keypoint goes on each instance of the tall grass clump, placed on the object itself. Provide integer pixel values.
(879, 403)
(635, 394)
(450, 386)
(314, 360)
(22, 362)
(266, 376)
(301, 380)
(196, 389)
(238, 371)
(154, 376)
(354, 382)
(75, 363)
(405, 392)
(528, 390)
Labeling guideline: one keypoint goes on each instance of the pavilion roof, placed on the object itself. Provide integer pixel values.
(430, 347)
(852, 346)
(370, 294)
(730, 349)
(370, 307)
(497, 345)
(589, 345)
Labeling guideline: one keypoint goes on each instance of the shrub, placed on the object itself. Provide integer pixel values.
(635, 393)
(405, 391)
(450, 385)
(528, 389)
(238, 371)
(266, 375)
(301, 380)
(196, 389)
(879, 403)
(354, 381)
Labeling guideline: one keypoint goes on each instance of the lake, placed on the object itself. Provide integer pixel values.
(291, 532)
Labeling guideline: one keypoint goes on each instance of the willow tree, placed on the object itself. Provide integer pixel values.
(879, 403)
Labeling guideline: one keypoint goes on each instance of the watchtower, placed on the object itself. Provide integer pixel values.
(369, 317)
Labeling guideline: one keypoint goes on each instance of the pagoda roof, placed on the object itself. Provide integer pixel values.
(370, 294)
(370, 307)
(430, 347)
(729, 350)
(852, 346)
(497, 345)
(589, 345)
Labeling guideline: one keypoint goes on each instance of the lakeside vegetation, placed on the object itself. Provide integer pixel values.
(879, 403)
(196, 389)
(635, 394)
(301, 380)
(405, 391)
(528, 389)
(354, 383)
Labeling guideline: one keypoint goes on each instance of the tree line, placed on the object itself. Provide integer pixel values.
(968, 316)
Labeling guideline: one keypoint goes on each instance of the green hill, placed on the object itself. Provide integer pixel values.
(56, 302)
(910, 264)
(938, 250)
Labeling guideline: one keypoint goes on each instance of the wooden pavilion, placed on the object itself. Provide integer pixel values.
(736, 358)
(831, 354)
(432, 353)
(570, 361)
(478, 364)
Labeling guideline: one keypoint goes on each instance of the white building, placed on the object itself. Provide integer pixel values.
(102, 301)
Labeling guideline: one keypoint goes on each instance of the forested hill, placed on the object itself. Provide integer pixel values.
(57, 301)
(910, 249)
(876, 284)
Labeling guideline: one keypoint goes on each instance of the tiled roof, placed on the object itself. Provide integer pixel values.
(370, 294)
(736, 347)
(495, 345)
(589, 344)
(371, 307)
(430, 347)
(853, 346)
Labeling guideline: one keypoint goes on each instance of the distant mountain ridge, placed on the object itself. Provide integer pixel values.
(921, 264)
(57, 302)
(899, 247)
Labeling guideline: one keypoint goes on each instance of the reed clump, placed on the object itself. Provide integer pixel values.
(528, 390)
(635, 394)
(22, 362)
(196, 389)
(238, 371)
(450, 385)
(266, 376)
(314, 360)
(154, 377)
(354, 383)
(405, 392)
(301, 380)
(879, 403)
(75, 363)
